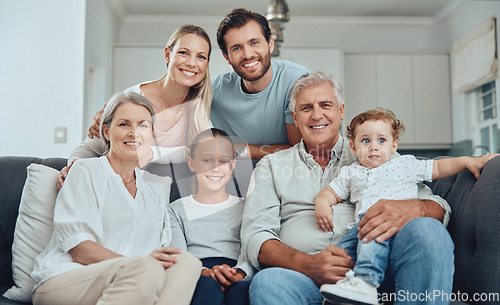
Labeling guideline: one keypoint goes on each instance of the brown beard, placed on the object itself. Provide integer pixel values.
(266, 64)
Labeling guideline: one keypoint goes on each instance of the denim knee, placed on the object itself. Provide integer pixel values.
(428, 241)
(263, 279)
(283, 286)
(422, 259)
(429, 233)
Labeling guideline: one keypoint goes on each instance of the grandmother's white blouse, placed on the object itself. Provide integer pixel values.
(95, 205)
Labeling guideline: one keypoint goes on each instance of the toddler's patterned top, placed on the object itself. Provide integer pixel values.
(396, 179)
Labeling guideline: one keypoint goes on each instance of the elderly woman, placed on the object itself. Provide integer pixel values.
(111, 227)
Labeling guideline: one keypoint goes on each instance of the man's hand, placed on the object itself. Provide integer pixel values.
(385, 218)
(329, 266)
(260, 151)
(96, 122)
(326, 267)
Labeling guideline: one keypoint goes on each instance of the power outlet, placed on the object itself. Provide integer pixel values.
(60, 134)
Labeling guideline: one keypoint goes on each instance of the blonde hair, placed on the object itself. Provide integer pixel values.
(200, 114)
(376, 115)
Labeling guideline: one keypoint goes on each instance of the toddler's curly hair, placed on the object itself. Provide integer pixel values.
(375, 115)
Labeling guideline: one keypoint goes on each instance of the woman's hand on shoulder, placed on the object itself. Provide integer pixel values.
(165, 256)
(96, 121)
(63, 173)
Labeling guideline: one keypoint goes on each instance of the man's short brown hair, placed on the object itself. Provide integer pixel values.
(238, 18)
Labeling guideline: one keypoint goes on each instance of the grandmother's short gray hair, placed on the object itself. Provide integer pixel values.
(113, 104)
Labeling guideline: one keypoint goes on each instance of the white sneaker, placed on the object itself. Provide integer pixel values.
(351, 290)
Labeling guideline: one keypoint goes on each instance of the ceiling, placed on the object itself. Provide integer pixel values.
(332, 8)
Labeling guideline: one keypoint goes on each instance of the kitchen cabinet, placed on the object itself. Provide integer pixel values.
(416, 87)
(324, 58)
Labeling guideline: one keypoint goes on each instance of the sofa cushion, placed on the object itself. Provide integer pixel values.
(4, 301)
(12, 178)
(474, 228)
(33, 228)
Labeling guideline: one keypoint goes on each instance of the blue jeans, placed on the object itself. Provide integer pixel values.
(419, 271)
(371, 258)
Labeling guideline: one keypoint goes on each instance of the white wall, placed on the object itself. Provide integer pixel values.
(42, 60)
(102, 28)
(351, 34)
(50, 47)
(366, 35)
(465, 18)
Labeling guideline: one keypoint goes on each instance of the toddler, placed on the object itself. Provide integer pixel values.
(374, 137)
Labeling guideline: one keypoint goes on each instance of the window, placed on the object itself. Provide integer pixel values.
(486, 123)
(487, 102)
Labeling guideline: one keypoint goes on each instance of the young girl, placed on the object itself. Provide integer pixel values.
(208, 223)
(374, 137)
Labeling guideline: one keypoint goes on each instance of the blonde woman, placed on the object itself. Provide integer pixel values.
(181, 99)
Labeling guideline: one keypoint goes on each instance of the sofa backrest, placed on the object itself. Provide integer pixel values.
(474, 227)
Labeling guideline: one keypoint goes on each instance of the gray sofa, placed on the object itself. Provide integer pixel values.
(474, 225)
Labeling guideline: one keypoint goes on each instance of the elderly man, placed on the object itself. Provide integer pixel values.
(279, 233)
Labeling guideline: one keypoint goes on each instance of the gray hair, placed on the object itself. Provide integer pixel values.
(314, 79)
(113, 104)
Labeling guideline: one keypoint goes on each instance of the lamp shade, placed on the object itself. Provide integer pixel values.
(276, 51)
(277, 11)
(276, 31)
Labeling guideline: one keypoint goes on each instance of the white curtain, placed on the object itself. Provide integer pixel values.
(475, 59)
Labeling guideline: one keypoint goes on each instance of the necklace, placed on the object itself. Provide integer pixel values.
(126, 183)
(159, 100)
